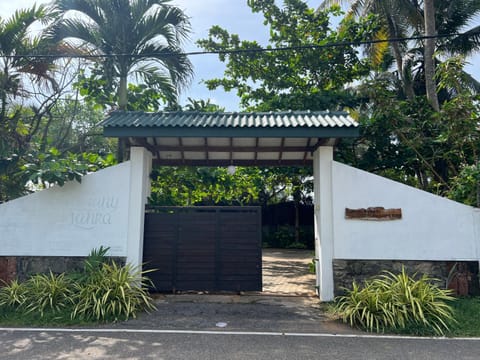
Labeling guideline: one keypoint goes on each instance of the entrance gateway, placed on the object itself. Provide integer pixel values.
(204, 248)
(245, 139)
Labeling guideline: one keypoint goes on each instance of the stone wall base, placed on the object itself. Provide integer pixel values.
(8, 269)
(21, 267)
(463, 279)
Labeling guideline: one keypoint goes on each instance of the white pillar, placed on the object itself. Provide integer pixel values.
(140, 168)
(323, 212)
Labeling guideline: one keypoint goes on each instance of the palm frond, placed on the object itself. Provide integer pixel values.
(90, 8)
(171, 58)
(466, 43)
(135, 31)
(14, 31)
(378, 50)
(71, 30)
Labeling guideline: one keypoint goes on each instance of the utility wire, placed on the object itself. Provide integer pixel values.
(232, 51)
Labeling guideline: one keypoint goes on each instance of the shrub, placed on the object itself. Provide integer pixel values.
(312, 266)
(112, 292)
(296, 245)
(102, 290)
(48, 292)
(91, 265)
(13, 294)
(397, 301)
(95, 259)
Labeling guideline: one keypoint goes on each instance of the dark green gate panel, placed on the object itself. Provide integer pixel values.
(204, 248)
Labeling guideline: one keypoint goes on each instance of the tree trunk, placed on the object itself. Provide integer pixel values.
(122, 93)
(122, 105)
(406, 82)
(429, 62)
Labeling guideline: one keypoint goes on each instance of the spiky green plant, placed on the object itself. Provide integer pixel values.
(95, 259)
(13, 294)
(397, 301)
(48, 292)
(367, 307)
(113, 293)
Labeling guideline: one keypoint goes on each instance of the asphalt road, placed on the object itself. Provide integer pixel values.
(227, 327)
(162, 346)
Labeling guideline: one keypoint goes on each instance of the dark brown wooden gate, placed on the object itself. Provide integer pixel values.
(204, 248)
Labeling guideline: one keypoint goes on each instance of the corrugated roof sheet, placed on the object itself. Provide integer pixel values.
(194, 119)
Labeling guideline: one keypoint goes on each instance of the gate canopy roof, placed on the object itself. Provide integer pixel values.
(225, 138)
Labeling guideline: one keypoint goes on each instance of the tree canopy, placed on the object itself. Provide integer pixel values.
(133, 37)
(267, 78)
(50, 107)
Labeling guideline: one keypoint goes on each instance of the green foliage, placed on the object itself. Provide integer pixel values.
(112, 293)
(187, 186)
(202, 106)
(56, 168)
(466, 186)
(467, 314)
(59, 144)
(99, 90)
(107, 291)
(296, 245)
(409, 142)
(95, 259)
(283, 237)
(48, 292)
(103, 291)
(151, 31)
(395, 302)
(13, 294)
(308, 78)
(91, 265)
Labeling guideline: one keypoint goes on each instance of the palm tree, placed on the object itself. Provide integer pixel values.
(15, 41)
(404, 18)
(429, 50)
(397, 19)
(19, 72)
(132, 37)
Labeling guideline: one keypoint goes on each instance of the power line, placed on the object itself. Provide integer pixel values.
(232, 51)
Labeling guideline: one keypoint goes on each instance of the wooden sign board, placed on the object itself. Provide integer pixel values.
(373, 213)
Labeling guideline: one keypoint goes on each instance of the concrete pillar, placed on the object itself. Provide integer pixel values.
(140, 168)
(323, 212)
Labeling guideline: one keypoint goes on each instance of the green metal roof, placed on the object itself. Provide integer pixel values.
(218, 139)
(233, 124)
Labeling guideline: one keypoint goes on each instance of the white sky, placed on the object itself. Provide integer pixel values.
(233, 15)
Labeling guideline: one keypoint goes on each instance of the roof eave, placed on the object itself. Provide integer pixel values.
(323, 132)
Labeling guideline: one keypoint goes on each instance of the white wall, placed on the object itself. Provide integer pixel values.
(70, 220)
(431, 228)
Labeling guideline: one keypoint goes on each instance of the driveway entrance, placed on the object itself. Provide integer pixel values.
(286, 272)
(204, 248)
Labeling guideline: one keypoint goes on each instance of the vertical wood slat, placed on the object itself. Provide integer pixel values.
(202, 270)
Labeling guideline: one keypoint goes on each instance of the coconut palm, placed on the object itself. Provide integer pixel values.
(404, 18)
(397, 18)
(132, 37)
(429, 50)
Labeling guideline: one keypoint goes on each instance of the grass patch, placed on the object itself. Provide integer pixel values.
(467, 314)
(11, 317)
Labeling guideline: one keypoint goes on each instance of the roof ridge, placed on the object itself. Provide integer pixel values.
(198, 119)
(307, 111)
